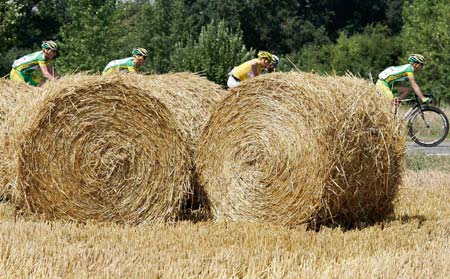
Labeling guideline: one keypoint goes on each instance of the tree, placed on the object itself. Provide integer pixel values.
(217, 50)
(162, 25)
(426, 31)
(367, 52)
(92, 35)
(363, 53)
(23, 26)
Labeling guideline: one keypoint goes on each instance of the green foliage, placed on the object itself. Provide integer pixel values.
(394, 19)
(426, 31)
(24, 24)
(311, 58)
(363, 53)
(367, 52)
(92, 36)
(161, 25)
(217, 50)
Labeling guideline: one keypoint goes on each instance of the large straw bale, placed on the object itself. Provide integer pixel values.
(299, 148)
(10, 93)
(99, 148)
(191, 99)
(188, 96)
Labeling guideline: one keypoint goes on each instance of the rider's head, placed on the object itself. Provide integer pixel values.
(139, 55)
(417, 61)
(50, 49)
(265, 56)
(274, 63)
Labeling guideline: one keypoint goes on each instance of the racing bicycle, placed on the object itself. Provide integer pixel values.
(427, 124)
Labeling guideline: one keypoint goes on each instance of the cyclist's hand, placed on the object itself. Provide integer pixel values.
(426, 100)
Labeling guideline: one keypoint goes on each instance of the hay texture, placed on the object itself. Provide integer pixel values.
(11, 92)
(188, 96)
(300, 148)
(99, 148)
(191, 99)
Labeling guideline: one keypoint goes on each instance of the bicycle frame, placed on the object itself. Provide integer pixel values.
(410, 112)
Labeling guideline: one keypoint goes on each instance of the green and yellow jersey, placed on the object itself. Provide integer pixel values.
(395, 74)
(392, 75)
(27, 68)
(125, 64)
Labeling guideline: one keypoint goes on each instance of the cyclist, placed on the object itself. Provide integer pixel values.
(252, 68)
(272, 66)
(130, 64)
(34, 68)
(395, 75)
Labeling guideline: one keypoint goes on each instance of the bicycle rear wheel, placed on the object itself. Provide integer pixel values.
(428, 127)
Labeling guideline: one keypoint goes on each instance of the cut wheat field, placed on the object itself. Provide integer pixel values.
(415, 243)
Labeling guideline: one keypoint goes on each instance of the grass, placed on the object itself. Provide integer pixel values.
(413, 244)
(418, 162)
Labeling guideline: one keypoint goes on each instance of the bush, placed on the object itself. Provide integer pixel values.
(217, 50)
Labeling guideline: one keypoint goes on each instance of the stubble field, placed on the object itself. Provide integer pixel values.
(415, 243)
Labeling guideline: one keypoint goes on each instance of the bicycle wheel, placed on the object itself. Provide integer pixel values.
(429, 127)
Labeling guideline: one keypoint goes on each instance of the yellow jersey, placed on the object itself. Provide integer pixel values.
(244, 71)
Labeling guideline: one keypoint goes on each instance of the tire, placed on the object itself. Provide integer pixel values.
(429, 130)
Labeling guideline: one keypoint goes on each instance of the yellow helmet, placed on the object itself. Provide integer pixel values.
(140, 51)
(49, 45)
(265, 55)
(416, 58)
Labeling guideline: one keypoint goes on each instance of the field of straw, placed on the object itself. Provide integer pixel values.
(303, 180)
(414, 243)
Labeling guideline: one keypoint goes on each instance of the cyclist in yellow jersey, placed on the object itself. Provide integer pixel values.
(34, 68)
(252, 68)
(393, 76)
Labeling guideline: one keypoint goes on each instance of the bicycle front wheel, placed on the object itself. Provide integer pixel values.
(428, 127)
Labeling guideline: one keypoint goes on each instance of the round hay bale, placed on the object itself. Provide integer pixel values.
(188, 96)
(191, 99)
(10, 93)
(301, 148)
(98, 148)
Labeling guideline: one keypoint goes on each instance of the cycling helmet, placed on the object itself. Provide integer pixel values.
(139, 51)
(275, 60)
(49, 45)
(416, 58)
(265, 55)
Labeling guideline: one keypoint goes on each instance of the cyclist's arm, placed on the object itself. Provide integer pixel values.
(53, 71)
(255, 69)
(45, 71)
(416, 87)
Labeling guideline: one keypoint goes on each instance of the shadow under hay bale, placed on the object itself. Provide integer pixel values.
(300, 148)
(191, 99)
(10, 92)
(98, 148)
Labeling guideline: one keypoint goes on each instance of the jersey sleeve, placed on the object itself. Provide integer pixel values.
(41, 60)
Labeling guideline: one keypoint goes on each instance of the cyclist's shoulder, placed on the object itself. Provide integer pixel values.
(121, 61)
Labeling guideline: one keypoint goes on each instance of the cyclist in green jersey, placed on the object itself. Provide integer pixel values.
(34, 68)
(395, 75)
(130, 64)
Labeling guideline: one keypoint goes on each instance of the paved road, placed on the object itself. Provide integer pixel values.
(442, 149)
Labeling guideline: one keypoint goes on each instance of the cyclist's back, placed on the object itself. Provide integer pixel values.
(396, 74)
(129, 64)
(120, 65)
